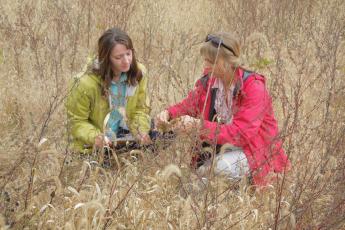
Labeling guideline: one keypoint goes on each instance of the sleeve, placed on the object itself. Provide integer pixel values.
(141, 121)
(189, 105)
(246, 121)
(78, 107)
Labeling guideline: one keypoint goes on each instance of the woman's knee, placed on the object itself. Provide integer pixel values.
(233, 164)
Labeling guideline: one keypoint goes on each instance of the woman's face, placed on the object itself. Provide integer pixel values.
(218, 71)
(121, 58)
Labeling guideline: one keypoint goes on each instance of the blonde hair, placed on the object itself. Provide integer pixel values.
(230, 56)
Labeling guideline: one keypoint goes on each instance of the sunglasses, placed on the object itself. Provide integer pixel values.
(216, 41)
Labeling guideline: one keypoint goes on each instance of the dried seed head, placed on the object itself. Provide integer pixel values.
(170, 170)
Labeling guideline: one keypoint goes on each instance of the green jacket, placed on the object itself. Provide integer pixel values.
(87, 108)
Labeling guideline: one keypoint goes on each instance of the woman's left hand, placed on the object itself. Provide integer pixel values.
(187, 124)
(144, 139)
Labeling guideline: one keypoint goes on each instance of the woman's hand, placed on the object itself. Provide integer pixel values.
(101, 141)
(162, 118)
(186, 124)
(144, 139)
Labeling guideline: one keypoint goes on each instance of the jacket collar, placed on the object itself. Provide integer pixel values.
(237, 76)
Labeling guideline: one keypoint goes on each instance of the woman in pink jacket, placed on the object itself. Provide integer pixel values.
(232, 106)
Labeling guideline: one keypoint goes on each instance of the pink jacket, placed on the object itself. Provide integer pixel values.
(253, 127)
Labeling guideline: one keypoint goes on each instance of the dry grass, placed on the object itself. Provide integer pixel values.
(298, 45)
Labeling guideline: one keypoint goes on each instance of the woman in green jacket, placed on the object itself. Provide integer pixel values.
(110, 98)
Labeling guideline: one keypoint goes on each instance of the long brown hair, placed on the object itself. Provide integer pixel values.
(231, 54)
(102, 64)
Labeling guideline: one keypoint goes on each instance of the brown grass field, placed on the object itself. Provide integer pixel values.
(299, 45)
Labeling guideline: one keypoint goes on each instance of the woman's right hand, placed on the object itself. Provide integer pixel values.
(162, 118)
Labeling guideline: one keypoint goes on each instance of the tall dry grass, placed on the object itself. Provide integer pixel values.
(298, 45)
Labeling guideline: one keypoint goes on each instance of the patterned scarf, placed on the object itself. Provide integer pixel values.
(223, 102)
